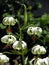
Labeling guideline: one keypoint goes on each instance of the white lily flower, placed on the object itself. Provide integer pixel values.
(8, 39)
(36, 61)
(39, 61)
(38, 50)
(19, 45)
(46, 60)
(3, 58)
(31, 30)
(9, 21)
(34, 31)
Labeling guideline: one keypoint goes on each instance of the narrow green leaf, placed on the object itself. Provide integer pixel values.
(25, 15)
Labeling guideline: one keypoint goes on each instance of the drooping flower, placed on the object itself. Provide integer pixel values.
(46, 60)
(3, 58)
(19, 45)
(38, 61)
(8, 39)
(9, 21)
(38, 50)
(34, 31)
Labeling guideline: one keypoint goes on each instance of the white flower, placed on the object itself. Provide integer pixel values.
(8, 39)
(46, 60)
(38, 50)
(3, 58)
(34, 31)
(9, 21)
(31, 30)
(19, 45)
(39, 61)
(36, 61)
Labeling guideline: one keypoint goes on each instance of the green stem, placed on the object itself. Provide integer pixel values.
(21, 41)
(20, 31)
(23, 59)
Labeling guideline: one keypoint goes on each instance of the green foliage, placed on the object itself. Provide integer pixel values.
(2, 26)
(45, 19)
(39, 5)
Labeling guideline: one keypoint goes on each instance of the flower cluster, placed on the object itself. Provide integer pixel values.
(3, 58)
(34, 31)
(20, 46)
(8, 39)
(38, 50)
(9, 21)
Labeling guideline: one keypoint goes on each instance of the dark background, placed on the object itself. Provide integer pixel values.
(38, 12)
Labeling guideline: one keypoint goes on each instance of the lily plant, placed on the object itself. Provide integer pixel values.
(19, 45)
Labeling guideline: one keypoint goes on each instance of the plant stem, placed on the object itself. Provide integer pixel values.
(23, 59)
(20, 43)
